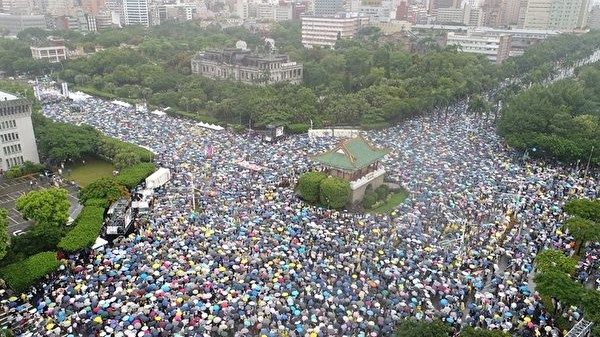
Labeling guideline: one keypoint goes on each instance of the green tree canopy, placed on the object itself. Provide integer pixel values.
(472, 332)
(555, 260)
(309, 186)
(4, 235)
(334, 192)
(414, 328)
(49, 207)
(104, 188)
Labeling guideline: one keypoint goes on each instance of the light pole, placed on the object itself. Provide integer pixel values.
(587, 167)
(193, 192)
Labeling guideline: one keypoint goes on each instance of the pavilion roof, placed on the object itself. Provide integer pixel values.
(351, 155)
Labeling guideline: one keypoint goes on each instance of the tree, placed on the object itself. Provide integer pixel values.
(4, 236)
(61, 141)
(334, 192)
(555, 260)
(49, 207)
(414, 328)
(103, 188)
(472, 332)
(309, 186)
(587, 209)
(126, 159)
(583, 230)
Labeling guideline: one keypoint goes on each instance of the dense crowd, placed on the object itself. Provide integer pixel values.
(254, 260)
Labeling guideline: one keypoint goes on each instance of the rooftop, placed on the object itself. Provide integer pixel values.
(4, 96)
(351, 155)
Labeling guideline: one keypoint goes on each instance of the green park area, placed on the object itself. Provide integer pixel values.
(389, 202)
(85, 172)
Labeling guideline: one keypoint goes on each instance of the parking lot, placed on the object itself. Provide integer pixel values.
(11, 189)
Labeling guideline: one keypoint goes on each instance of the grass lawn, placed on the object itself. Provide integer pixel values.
(392, 201)
(93, 169)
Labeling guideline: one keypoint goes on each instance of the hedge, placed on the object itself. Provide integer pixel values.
(298, 128)
(19, 276)
(23, 170)
(335, 192)
(111, 147)
(87, 228)
(309, 186)
(132, 176)
(107, 189)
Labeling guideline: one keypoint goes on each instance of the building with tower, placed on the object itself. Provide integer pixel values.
(357, 161)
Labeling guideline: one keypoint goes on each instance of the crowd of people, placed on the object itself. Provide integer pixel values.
(254, 260)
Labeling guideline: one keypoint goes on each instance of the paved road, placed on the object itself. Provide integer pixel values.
(10, 190)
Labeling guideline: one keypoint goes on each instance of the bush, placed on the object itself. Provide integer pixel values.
(97, 203)
(19, 276)
(132, 176)
(309, 186)
(239, 129)
(335, 192)
(382, 192)
(23, 170)
(107, 189)
(298, 128)
(32, 242)
(87, 228)
(369, 200)
(14, 172)
(111, 147)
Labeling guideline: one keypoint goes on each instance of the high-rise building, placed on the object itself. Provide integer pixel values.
(328, 7)
(555, 14)
(321, 31)
(434, 5)
(594, 18)
(136, 12)
(16, 132)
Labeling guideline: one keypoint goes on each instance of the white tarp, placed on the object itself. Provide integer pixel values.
(124, 104)
(210, 126)
(78, 96)
(158, 113)
(99, 243)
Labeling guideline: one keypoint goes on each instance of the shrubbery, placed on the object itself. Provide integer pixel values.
(309, 186)
(316, 187)
(113, 148)
(23, 170)
(372, 197)
(298, 128)
(19, 276)
(87, 228)
(104, 188)
(134, 175)
(335, 192)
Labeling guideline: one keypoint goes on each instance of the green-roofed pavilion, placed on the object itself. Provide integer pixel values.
(351, 155)
(357, 161)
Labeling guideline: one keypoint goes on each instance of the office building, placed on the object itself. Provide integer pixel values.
(328, 7)
(435, 5)
(51, 50)
(16, 132)
(565, 15)
(16, 23)
(594, 18)
(244, 66)
(495, 48)
(324, 32)
(136, 12)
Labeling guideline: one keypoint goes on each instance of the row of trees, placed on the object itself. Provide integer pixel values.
(555, 270)
(560, 120)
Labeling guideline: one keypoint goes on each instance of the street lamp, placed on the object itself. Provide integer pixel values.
(193, 191)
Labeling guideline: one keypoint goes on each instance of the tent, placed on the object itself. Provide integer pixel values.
(99, 243)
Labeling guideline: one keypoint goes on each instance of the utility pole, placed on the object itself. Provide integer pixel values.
(587, 167)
